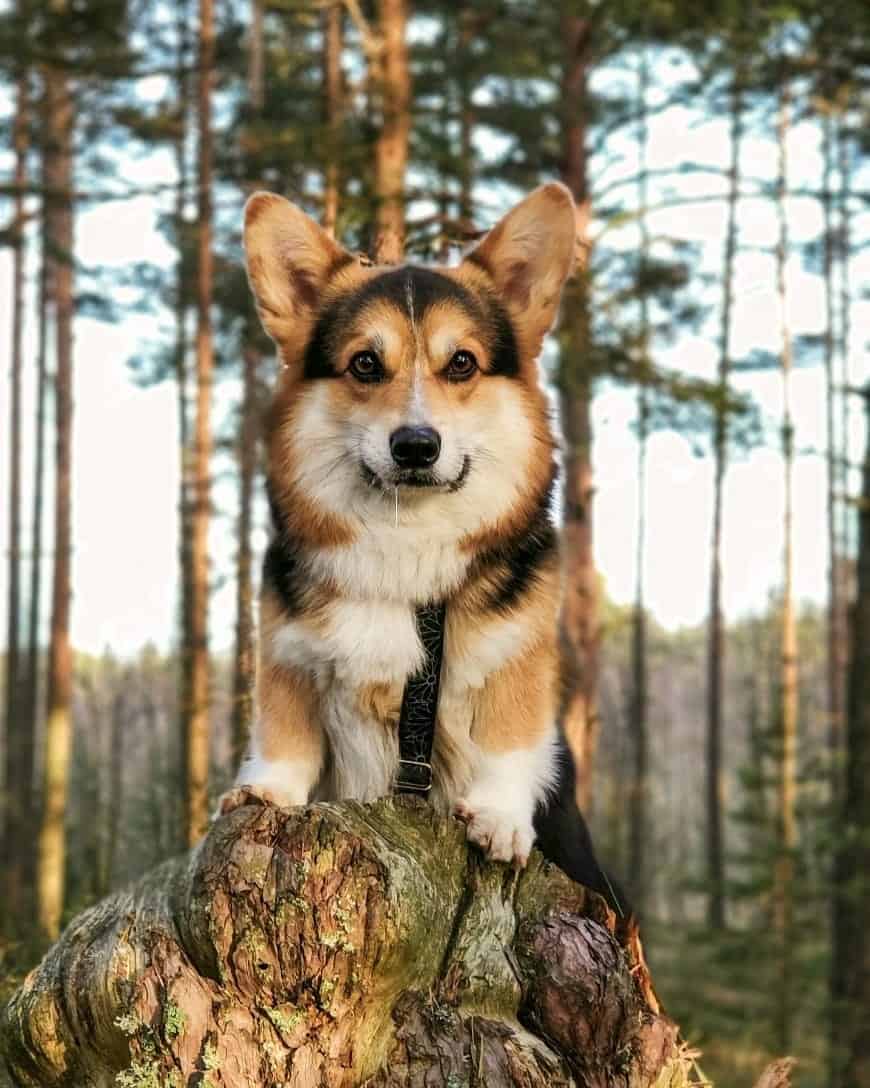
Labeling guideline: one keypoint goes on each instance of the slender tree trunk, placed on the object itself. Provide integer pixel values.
(31, 702)
(185, 483)
(391, 148)
(851, 938)
(16, 783)
(243, 667)
(466, 120)
(638, 817)
(332, 18)
(580, 634)
(256, 57)
(788, 679)
(197, 735)
(716, 640)
(836, 634)
(59, 236)
(117, 724)
(845, 330)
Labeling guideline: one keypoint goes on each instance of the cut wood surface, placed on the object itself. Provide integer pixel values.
(342, 944)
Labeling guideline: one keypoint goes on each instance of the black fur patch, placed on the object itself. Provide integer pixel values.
(514, 566)
(563, 837)
(281, 568)
(410, 289)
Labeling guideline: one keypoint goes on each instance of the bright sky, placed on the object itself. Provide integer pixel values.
(125, 448)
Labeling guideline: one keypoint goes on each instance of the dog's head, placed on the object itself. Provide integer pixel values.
(412, 382)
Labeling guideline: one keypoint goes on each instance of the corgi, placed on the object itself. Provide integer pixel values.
(411, 461)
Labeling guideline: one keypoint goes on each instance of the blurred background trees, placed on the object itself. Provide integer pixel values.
(723, 767)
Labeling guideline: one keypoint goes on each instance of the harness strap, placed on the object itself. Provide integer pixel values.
(420, 705)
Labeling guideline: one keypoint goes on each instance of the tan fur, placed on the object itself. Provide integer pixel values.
(285, 695)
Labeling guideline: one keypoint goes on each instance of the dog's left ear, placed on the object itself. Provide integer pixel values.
(529, 254)
(290, 260)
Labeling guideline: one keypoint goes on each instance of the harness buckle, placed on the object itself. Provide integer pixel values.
(413, 776)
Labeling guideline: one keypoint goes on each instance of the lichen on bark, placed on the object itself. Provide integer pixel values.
(341, 945)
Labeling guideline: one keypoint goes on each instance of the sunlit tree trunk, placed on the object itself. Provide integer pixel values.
(580, 634)
(788, 678)
(16, 782)
(197, 734)
(331, 20)
(715, 799)
(59, 239)
(845, 347)
(391, 147)
(851, 883)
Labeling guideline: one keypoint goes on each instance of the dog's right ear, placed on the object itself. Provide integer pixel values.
(289, 260)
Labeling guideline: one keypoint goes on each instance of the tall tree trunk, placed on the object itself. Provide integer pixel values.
(580, 634)
(197, 735)
(391, 148)
(844, 253)
(716, 643)
(16, 784)
(243, 666)
(788, 679)
(56, 758)
(185, 482)
(31, 702)
(638, 817)
(333, 89)
(836, 654)
(851, 937)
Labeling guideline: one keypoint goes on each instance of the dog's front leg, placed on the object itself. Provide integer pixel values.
(286, 752)
(514, 733)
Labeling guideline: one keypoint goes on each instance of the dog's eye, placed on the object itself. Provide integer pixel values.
(365, 366)
(461, 367)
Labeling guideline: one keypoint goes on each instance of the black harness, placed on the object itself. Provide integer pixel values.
(420, 705)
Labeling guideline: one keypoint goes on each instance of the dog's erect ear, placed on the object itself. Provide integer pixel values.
(289, 260)
(529, 255)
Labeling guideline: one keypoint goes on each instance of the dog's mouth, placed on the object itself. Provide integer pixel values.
(416, 479)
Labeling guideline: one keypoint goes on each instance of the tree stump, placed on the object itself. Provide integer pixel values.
(342, 945)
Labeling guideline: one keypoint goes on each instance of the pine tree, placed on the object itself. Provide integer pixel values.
(59, 125)
(197, 731)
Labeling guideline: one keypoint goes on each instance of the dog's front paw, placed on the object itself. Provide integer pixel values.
(240, 796)
(504, 835)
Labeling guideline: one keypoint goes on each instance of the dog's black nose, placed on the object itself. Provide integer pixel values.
(415, 447)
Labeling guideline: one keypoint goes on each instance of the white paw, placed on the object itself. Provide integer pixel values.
(239, 796)
(504, 835)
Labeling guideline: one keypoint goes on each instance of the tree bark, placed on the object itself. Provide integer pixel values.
(56, 756)
(333, 89)
(197, 733)
(580, 632)
(185, 450)
(243, 658)
(788, 678)
(715, 799)
(16, 783)
(341, 945)
(391, 148)
(851, 939)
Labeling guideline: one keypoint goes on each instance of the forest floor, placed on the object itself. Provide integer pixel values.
(720, 990)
